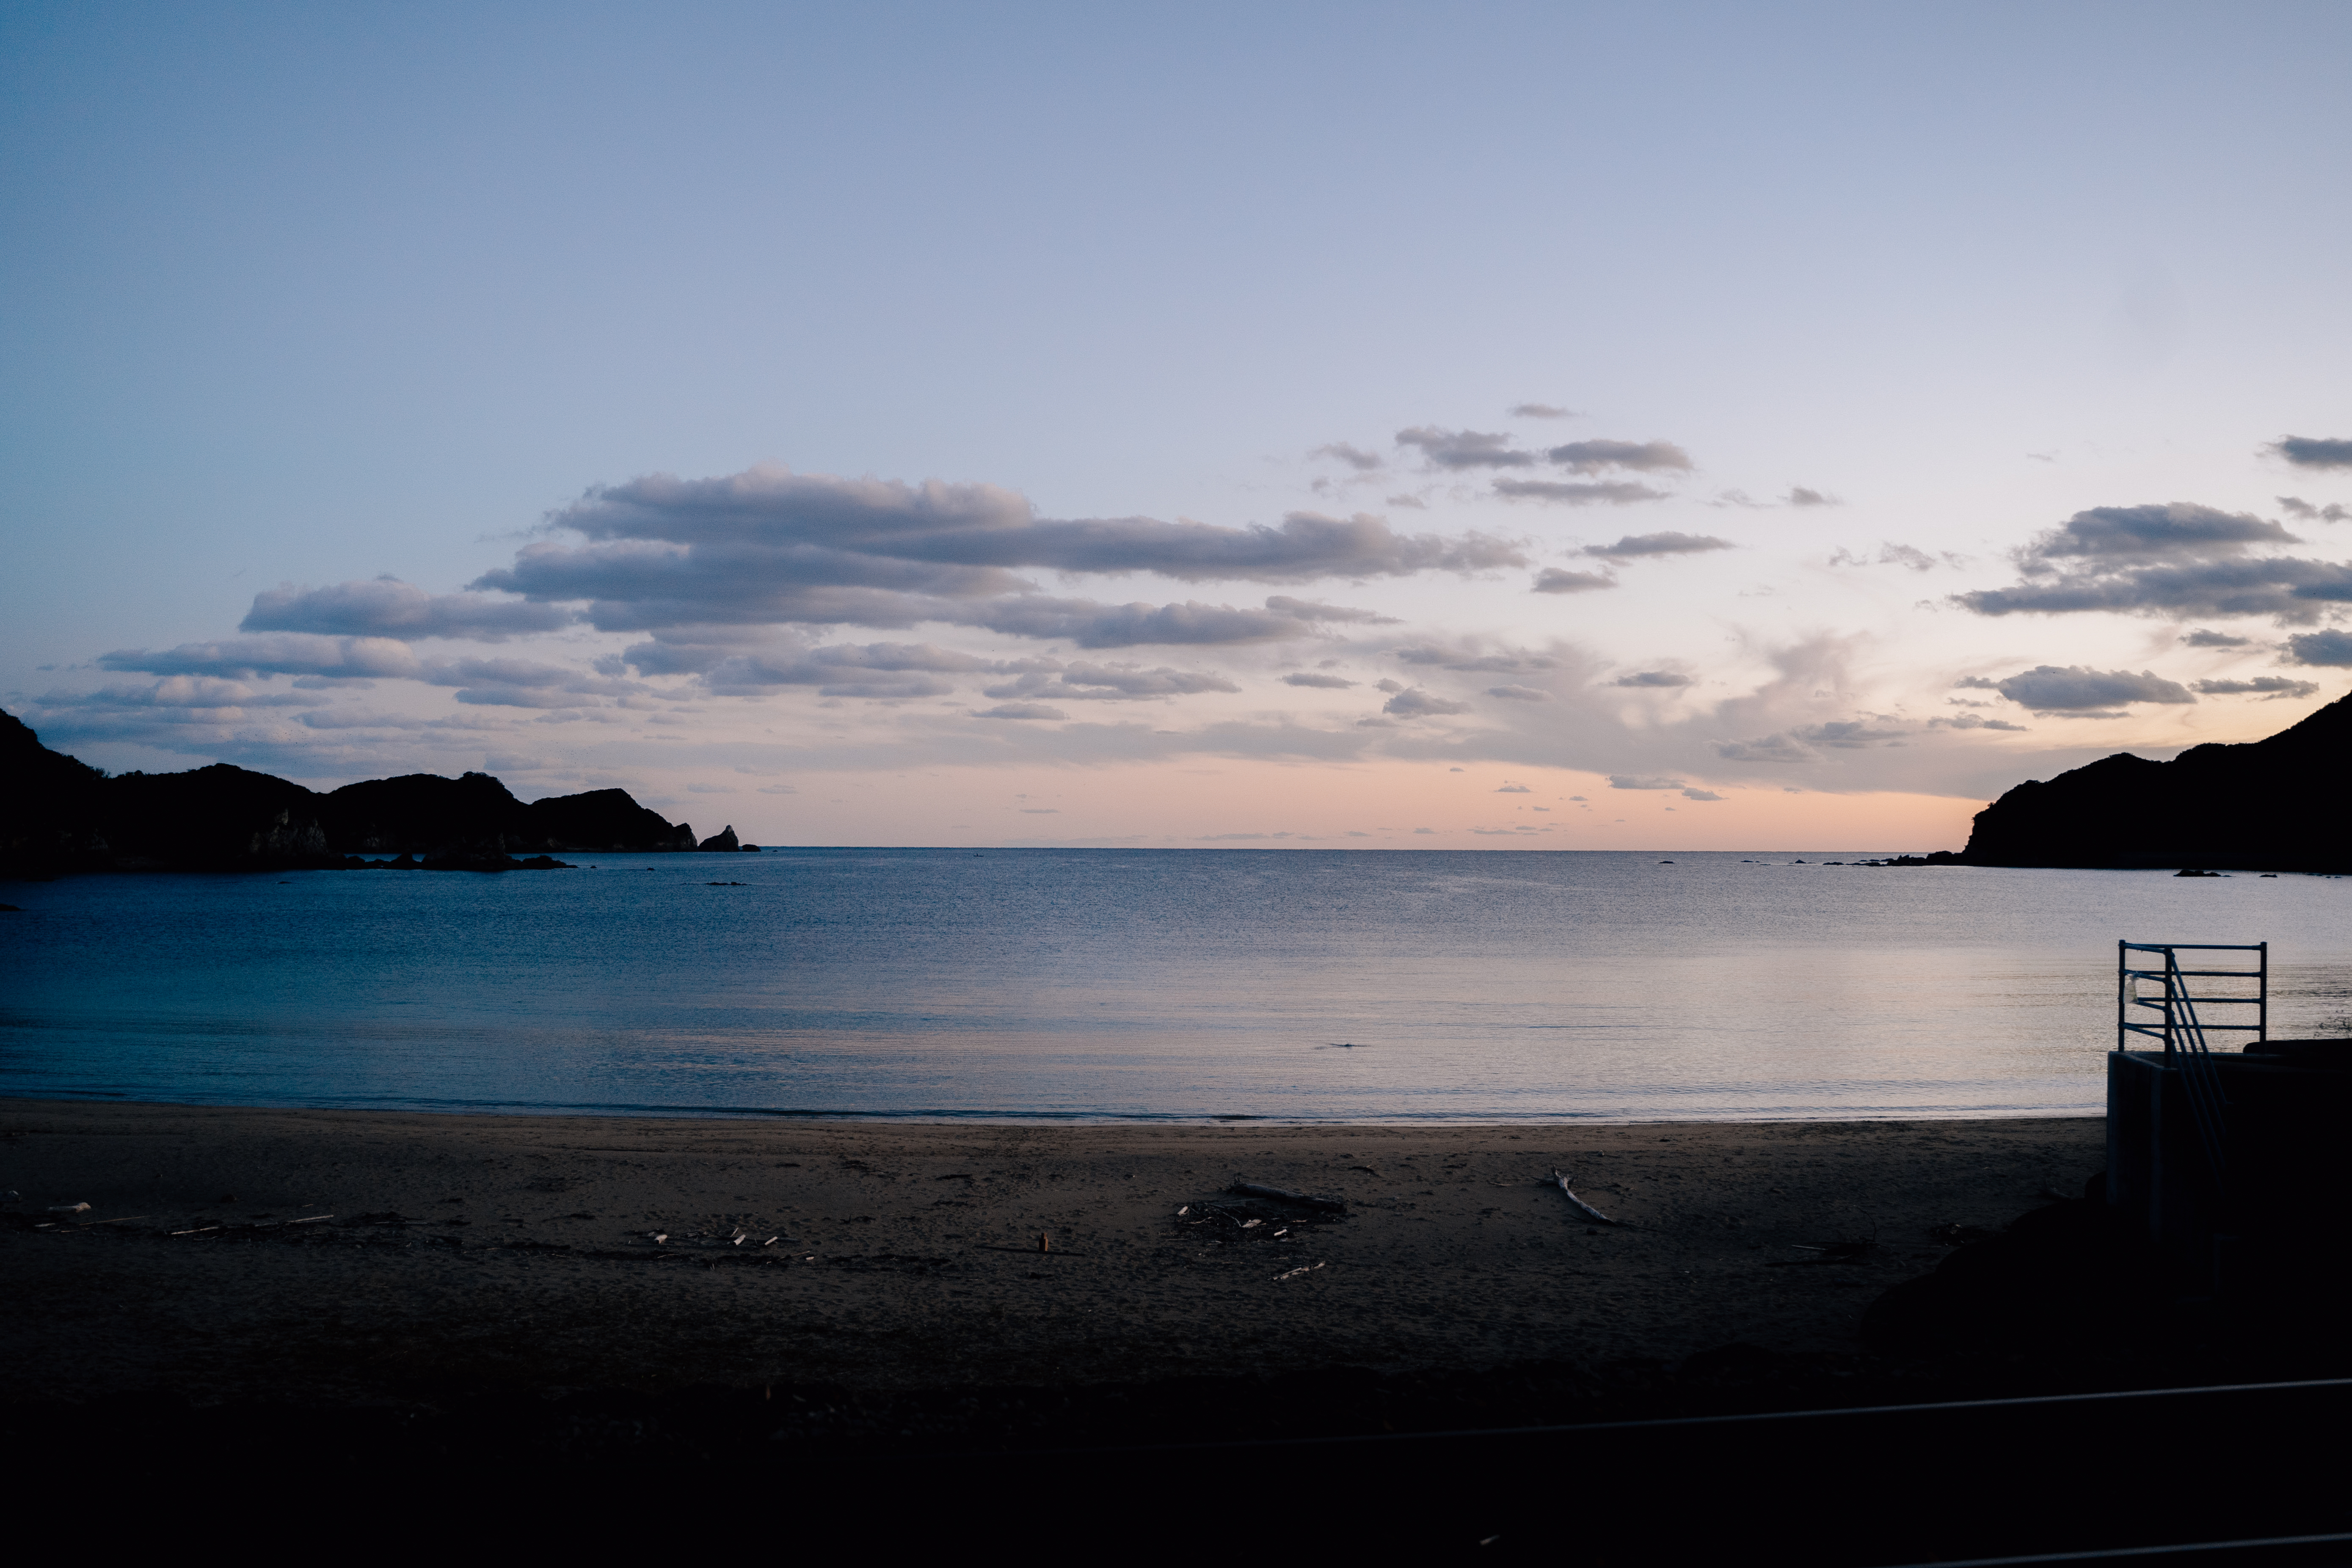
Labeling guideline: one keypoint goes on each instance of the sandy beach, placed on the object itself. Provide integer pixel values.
(549, 1252)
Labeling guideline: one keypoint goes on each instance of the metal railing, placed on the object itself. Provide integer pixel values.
(2183, 1029)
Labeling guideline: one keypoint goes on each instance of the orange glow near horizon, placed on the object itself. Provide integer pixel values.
(1206, 801)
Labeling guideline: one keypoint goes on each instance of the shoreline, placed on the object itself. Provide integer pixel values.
(763, 1115)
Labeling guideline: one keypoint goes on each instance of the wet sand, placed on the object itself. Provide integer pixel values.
(518, 1252)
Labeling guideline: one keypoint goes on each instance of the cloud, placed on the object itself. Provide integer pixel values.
(1700, 794)
(1777, 747)
(1634, 545)
(1892, 554)
(1799, 496)
(2202, 639)
(1464, 448)
(356, 718)
(1518, 693)
(2148, 533)
(242, 659)
(844, 670)
(1609, 492)
(185, 691)
(1845, 735)
(1414, 703)
(1325, 682)
(1356, 458)
(1642, 457)
(1092, 625)
(1541, 411)
(2271, 687)
(1558, 579)
(769, 547)
(2313, 452)
(1653, 677)
(519, 683)
(1020, 710)
(2077, 691)
(2178, 559)
(1974, 721)
(2291, 590)
(1314, 610)
(2296, 506)
(1110, 682)
(1638, 781)
(388, 608)
(1515, 789)
(2331, 648)
(1470, 661)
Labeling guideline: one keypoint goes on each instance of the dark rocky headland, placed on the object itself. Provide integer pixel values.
(62, 815)
(2265, 805)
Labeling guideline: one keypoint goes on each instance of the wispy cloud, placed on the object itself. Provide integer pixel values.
(2270, 688)
(1414, 703)
(1559, 493)
(386, 607)
(1559, 579)
(2313, 452)
(1642, 457)
(1635, 546)
(1457, 449)
(1363, 462)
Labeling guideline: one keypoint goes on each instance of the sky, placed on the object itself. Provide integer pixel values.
(1672, 426)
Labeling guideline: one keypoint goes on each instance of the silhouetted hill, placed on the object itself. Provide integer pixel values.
(63, 814)
(2265, 805)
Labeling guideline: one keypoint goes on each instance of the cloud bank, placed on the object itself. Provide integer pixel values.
(2178, 559)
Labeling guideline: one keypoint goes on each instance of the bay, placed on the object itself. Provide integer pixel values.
(1297, 985)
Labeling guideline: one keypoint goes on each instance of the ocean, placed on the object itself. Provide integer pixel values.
(1104, 984)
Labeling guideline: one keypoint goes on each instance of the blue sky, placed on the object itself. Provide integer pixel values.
(1938, 364)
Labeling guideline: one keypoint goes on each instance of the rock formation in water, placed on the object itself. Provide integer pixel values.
(724, 840)
(63, 814)
(2265, 805)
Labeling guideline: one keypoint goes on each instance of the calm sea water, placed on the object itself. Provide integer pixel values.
(1154, 985)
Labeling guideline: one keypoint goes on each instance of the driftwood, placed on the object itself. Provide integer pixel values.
(1252, 1190)
(1835, 1252)
(1586, 1209)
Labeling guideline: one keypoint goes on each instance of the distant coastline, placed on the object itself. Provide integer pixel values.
(65, 815)
(2264, 805)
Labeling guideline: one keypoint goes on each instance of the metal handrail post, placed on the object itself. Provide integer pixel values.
(2202, 1080)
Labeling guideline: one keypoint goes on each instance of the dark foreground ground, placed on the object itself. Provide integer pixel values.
(567, 1300)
